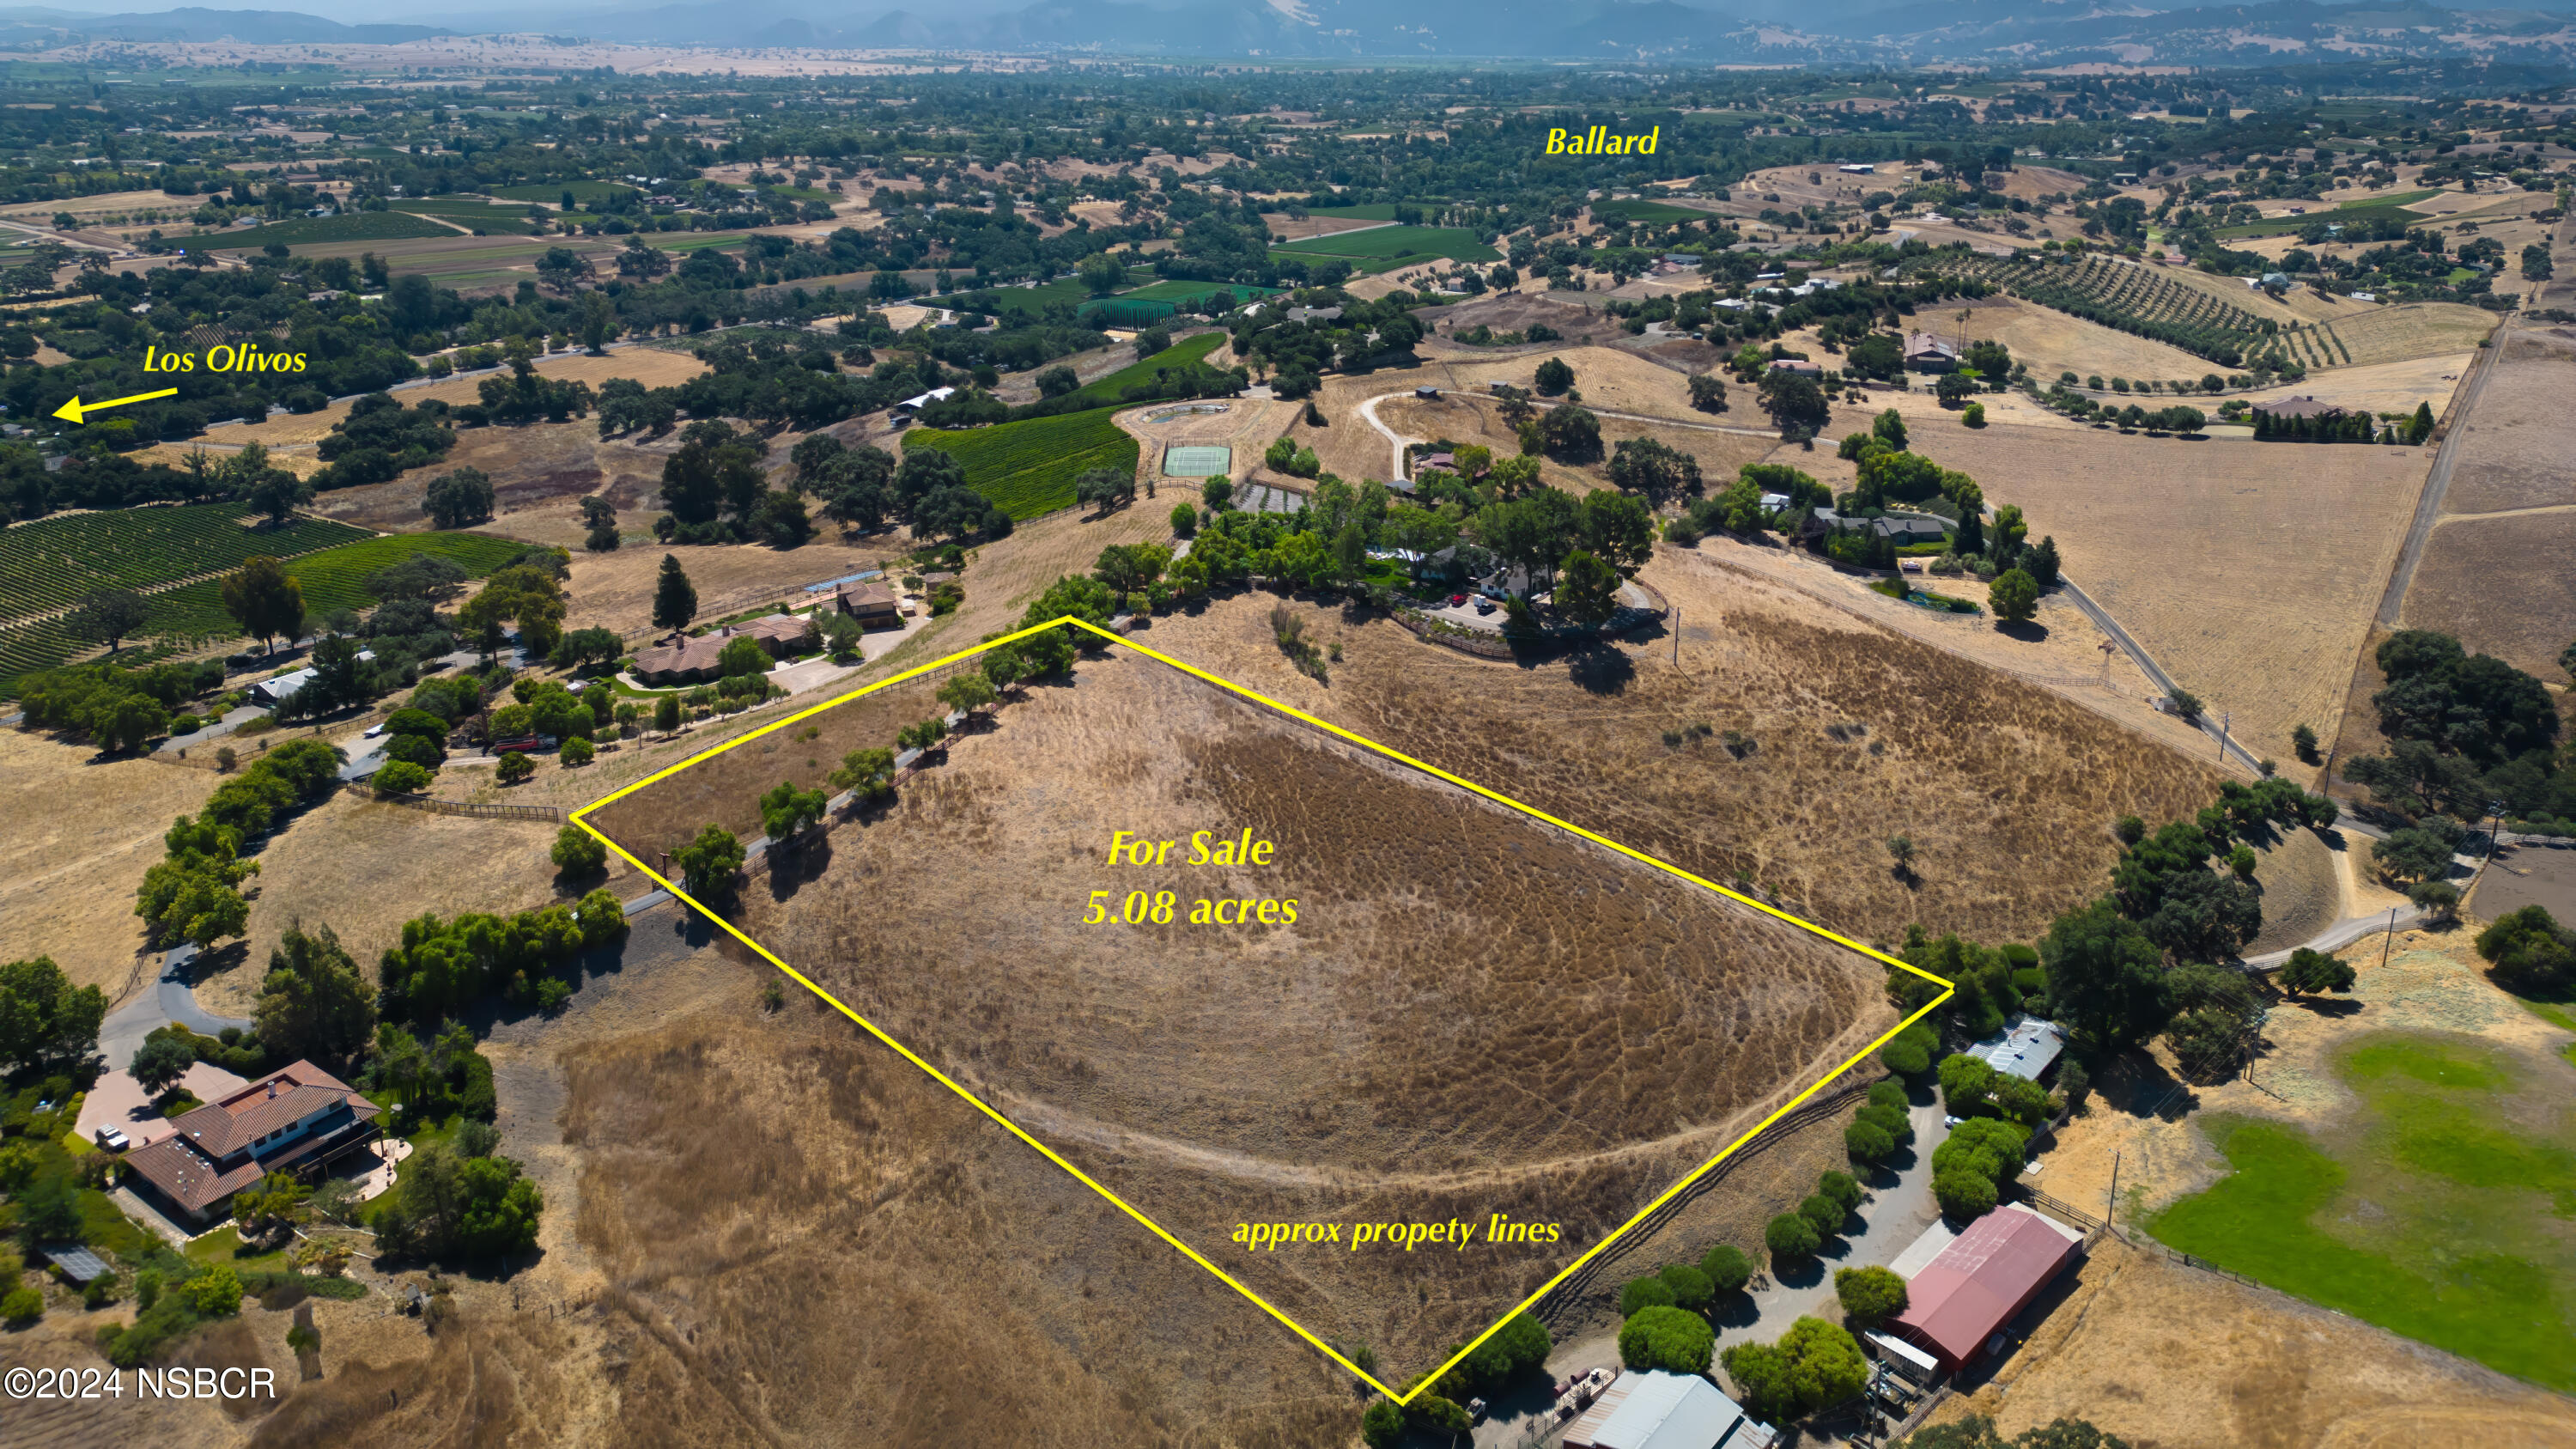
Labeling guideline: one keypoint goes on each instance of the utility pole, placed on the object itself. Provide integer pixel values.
(2111, 1202)
(2108, 649)
(2386, 941)
(2224, 717)
(1677, 636)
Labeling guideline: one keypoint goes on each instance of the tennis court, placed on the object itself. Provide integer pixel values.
(1196, 460)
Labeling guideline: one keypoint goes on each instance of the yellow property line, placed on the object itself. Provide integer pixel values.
(1426, 1380)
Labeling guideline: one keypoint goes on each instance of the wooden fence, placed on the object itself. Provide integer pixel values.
(551, 814)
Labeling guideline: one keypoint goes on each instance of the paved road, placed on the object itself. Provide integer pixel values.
(1899, 1208)
(168, 999)
(2137, 653)
(2428, 507)
(2343, 933)
(1895, 1215)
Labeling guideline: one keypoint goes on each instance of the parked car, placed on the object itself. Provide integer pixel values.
(1456, 599)
(1485, 606)
(375, 729)
(113, 1139)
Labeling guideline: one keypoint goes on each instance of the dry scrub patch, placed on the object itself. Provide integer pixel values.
(2007, 790)
(2514, 452)
(2499, 583)
(2247, 570)
(1473, 1012)
(86, 830)
(2162, 1354)
(651, 366)
(2061, 653)
(2494, 572)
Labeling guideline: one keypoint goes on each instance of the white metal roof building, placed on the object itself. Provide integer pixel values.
(1665, 1411)
(2028, 1047)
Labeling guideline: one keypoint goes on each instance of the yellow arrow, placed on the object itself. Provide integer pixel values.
(72, 410)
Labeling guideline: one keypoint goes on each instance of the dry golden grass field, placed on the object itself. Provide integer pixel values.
(2378, 387)
(85, 831)
(2248, 570)
(1471, 1011)
(2494, 572)
(364, 868)
(2053, 342)
(651, 366)
(2404, 330)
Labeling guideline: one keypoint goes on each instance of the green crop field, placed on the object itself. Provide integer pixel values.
(332, 579)
(1403, 244)
(1375, 211)
(1655, 211)
(49, 562)
(494, 220)
(2351, 213)
(348, 226)
(2439, 1212)
(1188, 349)
(1028, 467)
(1017, 302)
(1189, 291)
(552, 192)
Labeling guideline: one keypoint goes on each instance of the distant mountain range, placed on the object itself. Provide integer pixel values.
(250, 27)
(2025, 32)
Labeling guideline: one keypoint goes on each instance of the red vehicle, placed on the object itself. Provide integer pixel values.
(1456, 599)
(522, 744)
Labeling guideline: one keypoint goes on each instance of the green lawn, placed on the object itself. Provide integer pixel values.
(1188, 349)
(348, 226)
(2446, 1211)
(224, 1245)
(2403, 198)
(1405, 245)
(1029, 466)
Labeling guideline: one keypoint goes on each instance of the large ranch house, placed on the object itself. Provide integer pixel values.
(298, 1119)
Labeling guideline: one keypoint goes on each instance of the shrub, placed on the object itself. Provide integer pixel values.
(215, 1293)
(1691, 1287)
(23, 1305)
(2529, 953)
(1727, 1268)
(1823, 1212)
(1668, 1339)
(576, 753)
(514, 767)
(1870, 1296)
(1791, 1238)
(400, 777)
(1644, 1293)
(1885, 1093)
(1382, 1427)
(1842, 1188)
(1963, 1193)
(2308, 970)
(578, 853)
(1909, 1052)
(1867, 1142)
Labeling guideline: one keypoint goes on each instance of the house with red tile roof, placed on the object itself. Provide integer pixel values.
(296, 1119)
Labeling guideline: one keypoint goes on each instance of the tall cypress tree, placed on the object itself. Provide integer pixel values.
(675, 599)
